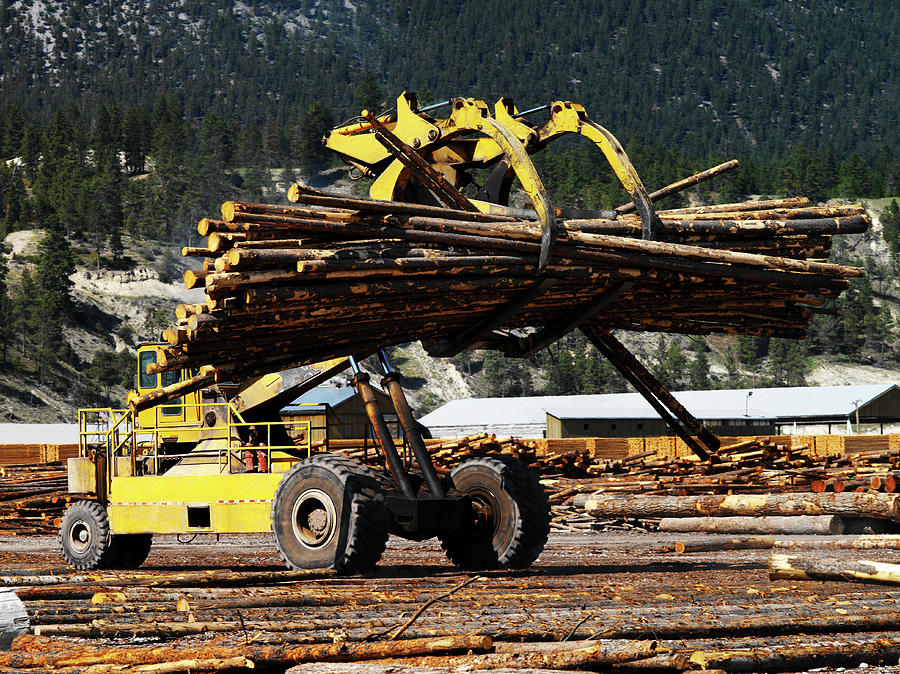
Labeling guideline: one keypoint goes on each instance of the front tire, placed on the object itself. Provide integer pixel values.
(85, 538)
(329, 512)
(510, 515)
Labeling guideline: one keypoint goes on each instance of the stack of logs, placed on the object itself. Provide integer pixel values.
(32, 498)
(751, 466)
(757, 466)
(336, 275)
(447, 453)
(748, 480)
(182, 616)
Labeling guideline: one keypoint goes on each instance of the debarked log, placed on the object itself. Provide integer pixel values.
(852, 504)
(186, 666)
(711, 545)
(794, 567)
(562, 655)
(865, 542)
(797, 524)
(797, 658)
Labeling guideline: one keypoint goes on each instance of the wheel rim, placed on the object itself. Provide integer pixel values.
(484, 512)
(313, 519)
(80, 536)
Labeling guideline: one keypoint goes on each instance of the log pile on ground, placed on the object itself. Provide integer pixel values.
(32, 498)
(568, 617)
(754, 486)
(754, 466)
(336, 275)
(447, 453)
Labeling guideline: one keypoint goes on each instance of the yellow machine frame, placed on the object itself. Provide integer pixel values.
(163, 471)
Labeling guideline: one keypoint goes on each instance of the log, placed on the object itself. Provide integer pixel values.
(576, 655)
(187, 666)
(799, 658)
(711, 545)
(797, 524)
(853, 504)
(683, 184)
(221, 578)
(36, 651)
(864, 542)
(793, 567)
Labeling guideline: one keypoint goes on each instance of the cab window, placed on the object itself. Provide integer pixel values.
(171, 377)
(146, 380)
(172, 409)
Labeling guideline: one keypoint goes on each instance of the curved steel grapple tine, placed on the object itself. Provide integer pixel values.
(549, 233)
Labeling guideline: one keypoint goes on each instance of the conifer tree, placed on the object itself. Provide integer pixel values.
(368, 93)
(53, 301)
(6, 306)
(309, 152)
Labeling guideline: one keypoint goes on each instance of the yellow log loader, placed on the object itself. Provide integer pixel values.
(220, 460)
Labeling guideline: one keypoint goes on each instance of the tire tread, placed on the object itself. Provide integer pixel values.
(368, 519)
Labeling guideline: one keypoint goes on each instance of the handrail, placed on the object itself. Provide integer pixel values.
(115, 432)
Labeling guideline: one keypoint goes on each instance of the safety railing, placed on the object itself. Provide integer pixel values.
(238, 445)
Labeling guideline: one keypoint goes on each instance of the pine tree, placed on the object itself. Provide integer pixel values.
(309, 152)
(136, 135)
(787, 363)
(890, 224)
(368, 93)
(53, 281)
(24, 309)
(698, 372)
(7, 316)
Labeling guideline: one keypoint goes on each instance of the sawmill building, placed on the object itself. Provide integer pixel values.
(870, 408)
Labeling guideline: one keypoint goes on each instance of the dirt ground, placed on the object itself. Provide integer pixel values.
(621, 585)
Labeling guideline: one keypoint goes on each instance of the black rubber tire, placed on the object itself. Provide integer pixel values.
(129, 551)
(329, 512)
(511, 516)
(85, 538)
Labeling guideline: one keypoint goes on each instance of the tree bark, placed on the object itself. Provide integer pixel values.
(793, 567)
(797, 524)
(853, 504)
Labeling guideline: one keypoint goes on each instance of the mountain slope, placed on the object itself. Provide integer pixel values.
(706, 76)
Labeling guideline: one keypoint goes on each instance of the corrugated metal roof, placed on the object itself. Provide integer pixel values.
(318, 398)
(763, 403)
(39, 434)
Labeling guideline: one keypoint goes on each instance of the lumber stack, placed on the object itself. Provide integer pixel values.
(32, 498)
(331, 275)
(36, 453)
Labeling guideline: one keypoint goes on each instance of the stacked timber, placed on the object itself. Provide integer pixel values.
(334, 275)
(32, 498)
(741, 491)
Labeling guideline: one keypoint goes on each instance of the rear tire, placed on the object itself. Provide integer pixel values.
(130, 550)
(329, 512)
(85, 538)
(510, 515)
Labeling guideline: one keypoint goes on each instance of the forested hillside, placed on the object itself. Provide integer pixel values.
(763, 77)
(123, 123)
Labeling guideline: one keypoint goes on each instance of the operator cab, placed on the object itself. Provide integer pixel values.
(182, 411)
